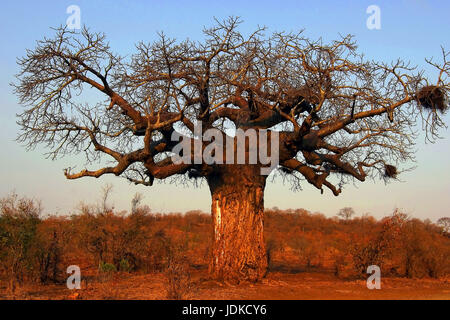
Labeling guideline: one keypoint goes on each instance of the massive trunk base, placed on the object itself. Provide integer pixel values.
(238, 252)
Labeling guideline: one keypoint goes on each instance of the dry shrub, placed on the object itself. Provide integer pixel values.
(39, 250)
(19, 219)
(178, 276)
(122, 241)
(377, 247)
(272, 246)
(159, 252)
(365, 254)
(436, 260)
(51, 246)
(424, 254)
(108, 289)
(308, 251)
(340, 265)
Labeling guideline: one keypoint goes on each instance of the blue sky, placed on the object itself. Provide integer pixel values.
(412, 30)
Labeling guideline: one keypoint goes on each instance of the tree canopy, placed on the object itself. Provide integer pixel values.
(339, 115)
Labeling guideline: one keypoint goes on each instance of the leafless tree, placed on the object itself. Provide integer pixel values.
(444, 222)
(339, 116)
(136, 201)
(106, 194)
(346, 213)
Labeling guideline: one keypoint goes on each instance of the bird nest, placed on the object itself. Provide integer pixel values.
(286, 170)
(432, 98)
(308, 93)
(390, 171)
(194, 174)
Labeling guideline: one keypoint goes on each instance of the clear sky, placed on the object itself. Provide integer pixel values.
(412, 30)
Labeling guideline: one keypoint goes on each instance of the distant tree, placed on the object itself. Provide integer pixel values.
(337, 115)
(136, 201)
(346, 213)
(105, 195)
(444, 222)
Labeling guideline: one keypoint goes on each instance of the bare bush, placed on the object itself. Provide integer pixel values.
(19, 218)
(178, 276)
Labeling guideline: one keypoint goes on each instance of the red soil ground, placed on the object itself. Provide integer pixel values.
(277, 285)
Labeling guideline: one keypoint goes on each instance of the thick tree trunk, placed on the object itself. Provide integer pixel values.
(238, 251)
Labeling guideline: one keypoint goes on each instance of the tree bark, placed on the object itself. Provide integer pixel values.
(237, 210)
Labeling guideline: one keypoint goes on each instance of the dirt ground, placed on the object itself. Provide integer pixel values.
(276, 286)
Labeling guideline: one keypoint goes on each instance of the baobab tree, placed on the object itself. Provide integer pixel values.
(337, 117)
